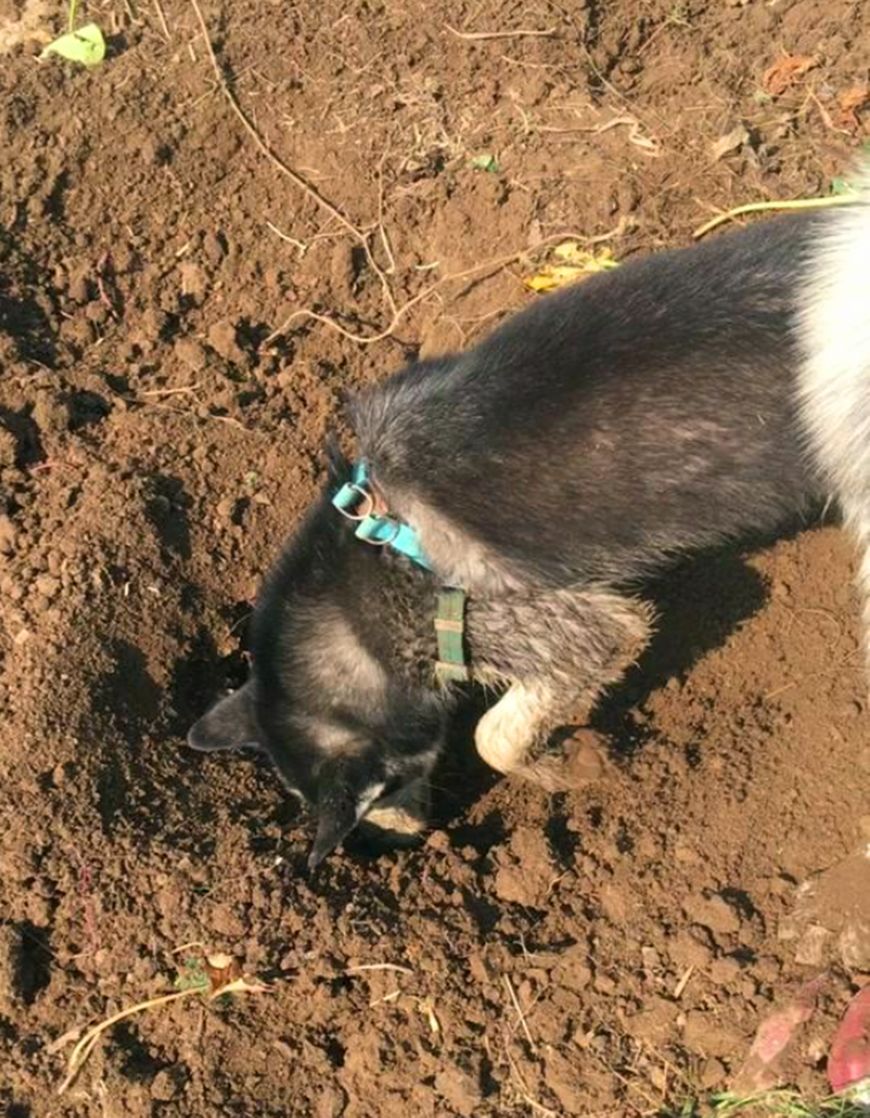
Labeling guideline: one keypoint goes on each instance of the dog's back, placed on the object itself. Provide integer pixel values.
(646, 411)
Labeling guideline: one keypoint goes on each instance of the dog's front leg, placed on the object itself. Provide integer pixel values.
(556, 650)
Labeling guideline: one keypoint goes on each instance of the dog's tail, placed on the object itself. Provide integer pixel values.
(835, 370)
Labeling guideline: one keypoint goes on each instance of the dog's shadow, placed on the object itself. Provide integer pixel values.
(699, 604)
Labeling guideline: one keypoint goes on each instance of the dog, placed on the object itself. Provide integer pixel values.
(521, 493)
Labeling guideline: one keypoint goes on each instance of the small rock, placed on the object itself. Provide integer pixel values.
(194, 283)
(47, 586)
(655, 1022)
(686, 950)
(224, 920)
(213, 249)
(223, 339)
(712, 1073)
(165, 1085)
(8, 532)
(50, 413)
(459, 1090)
(331, 1103)
(8, 448)
(713, 913)
(190, 353)
(573, 971)
(705, 1034)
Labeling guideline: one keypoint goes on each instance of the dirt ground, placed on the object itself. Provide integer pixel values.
(607, 952)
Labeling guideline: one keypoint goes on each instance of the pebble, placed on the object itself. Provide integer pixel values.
(713, 913)
(190, 353)
(164, 1086)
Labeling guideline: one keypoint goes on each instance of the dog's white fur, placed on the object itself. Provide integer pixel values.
(834, 382)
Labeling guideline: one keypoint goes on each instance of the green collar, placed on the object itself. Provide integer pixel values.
(452, 663)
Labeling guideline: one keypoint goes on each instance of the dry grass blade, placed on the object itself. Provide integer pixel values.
(519, 1010)
(766, 207)
(378, 966)
(523, 1092)
(79, 1055)
(520, 33)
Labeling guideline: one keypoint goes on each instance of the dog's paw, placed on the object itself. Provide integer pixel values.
(583, 758)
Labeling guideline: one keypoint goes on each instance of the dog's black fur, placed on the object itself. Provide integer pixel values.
(588, 441)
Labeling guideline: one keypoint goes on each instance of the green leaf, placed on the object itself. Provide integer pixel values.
(840, 186)
(86, 46)
(486, 161)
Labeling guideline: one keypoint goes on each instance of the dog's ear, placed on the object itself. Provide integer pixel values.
(337, 465)
(346, 789)
(230, 724)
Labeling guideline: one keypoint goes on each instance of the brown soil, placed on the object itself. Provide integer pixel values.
(155, 447)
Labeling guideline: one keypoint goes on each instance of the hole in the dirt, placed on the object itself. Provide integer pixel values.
(86, 408)
(485, 914)
(595, 815)
(740, 899)
(166, 507)
(139, 1064)
(624, 839)
(31, 962)
(482, 836)
(118, 384)
(13, 1109)
(461, 778)
(53, 206)
(335, 1052)
(201, 677)
(251, 335)
(23, 428)
(563, 841)
(127, 693)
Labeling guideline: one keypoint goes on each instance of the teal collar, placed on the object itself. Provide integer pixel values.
(357, 501)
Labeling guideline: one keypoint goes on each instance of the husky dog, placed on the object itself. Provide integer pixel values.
(679, 401)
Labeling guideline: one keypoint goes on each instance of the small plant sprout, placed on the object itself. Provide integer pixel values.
(84, 45)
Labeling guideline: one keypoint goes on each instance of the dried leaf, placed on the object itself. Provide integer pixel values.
(785, 72)
(849, 1061)
(730, 142)
(221, 969)
(761, 1070)
(848, 103)
(577, 264)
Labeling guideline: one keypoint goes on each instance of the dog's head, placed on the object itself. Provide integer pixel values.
(348, 735)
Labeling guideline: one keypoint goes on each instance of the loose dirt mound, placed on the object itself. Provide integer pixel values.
(607, 952)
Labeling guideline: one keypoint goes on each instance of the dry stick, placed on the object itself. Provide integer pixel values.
(294, 176)
(378, 966)
(522, 1090)
(85, 1046)
(400, 312)
(519, 1010)
(761, 207)
(161, 15)
(519, 34)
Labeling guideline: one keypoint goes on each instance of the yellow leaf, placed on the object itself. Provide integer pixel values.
(579, 263)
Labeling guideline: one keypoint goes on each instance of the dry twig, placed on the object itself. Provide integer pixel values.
(521, 33)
